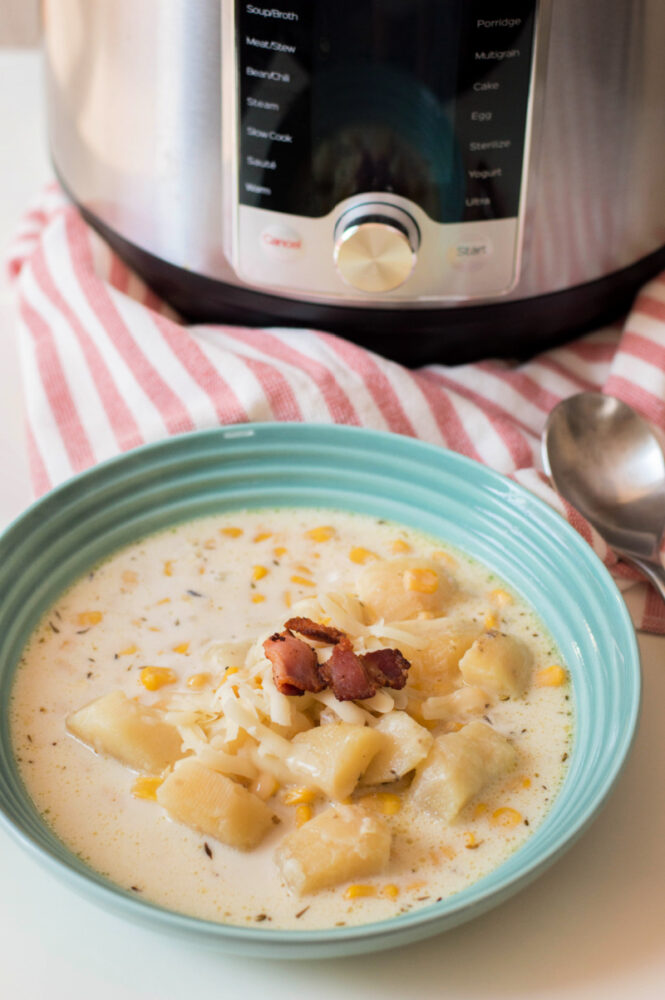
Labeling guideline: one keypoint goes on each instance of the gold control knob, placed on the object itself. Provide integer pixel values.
(375, 254)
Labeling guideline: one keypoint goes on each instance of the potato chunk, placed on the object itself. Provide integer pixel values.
(136, 735)
(461, 704)
(213, 804)
(499, 663)
(340, 844)
(333, 756)
(458, 766)
(399, 589)
(407, 743)
(435, 665)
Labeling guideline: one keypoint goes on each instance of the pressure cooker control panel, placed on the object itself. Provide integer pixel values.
(378, 149)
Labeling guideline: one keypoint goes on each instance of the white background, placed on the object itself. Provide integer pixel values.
(591, 928)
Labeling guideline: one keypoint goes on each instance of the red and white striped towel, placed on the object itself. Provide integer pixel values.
(107, 366)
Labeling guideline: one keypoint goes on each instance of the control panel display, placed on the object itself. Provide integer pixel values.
(423, 99)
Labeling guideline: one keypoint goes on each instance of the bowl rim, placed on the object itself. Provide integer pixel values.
(438, 914)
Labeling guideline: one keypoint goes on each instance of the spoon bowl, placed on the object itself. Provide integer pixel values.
(607, 462)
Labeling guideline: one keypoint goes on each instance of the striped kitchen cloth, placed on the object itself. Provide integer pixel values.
(107, 366)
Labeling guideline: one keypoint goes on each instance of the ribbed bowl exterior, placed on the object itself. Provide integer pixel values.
(281, 465)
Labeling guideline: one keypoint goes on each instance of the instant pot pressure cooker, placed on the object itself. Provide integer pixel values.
(435, 179)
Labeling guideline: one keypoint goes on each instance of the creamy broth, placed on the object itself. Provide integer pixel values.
(171, 601)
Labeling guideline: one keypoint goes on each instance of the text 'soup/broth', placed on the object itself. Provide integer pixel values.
(292, 718)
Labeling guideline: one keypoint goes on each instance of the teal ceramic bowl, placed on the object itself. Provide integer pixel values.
(434, 490)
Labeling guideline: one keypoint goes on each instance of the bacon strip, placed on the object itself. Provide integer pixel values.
(354, 678)
(388, 667)
(312, 630)
(295, 668)
(345, 673)
(294, 665)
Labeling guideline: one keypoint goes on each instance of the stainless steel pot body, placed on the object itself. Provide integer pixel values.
(144, 123)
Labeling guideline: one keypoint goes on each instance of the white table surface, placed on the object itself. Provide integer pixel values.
(591, 928)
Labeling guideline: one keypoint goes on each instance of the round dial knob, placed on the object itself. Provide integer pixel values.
(376, 252)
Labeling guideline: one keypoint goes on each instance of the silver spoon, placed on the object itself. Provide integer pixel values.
(607, 462)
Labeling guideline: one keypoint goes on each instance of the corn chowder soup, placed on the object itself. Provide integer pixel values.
(299, 718)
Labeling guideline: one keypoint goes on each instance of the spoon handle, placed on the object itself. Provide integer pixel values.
(653, 571)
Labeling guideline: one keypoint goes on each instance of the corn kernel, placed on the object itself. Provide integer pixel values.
(258, 598)
(501, 597)
(303, 814)
(423, 581)
(182, 648)
(145, 787)
(168, 567)
(399, 545)
(480, 810)
(129, 576)
(262, 535)
(279, 551)
(553, 676)
(390, 891)
(265, 786)
(231, 532)
(470, 841)
(506, 817)
(389, 802)
(89, 617)
(302, 581)
(258, 572)
(231, 670)
(322, 534)
(357, 891)
(128, 652)
(198, 681)
(360, 555)
(299, 796)
(287, 598)
(154, 678)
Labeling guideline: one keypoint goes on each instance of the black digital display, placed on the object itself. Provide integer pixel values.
(426, 99)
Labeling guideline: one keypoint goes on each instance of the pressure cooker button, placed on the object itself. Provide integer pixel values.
(374, 255)
(281, 241)
(470, 254)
